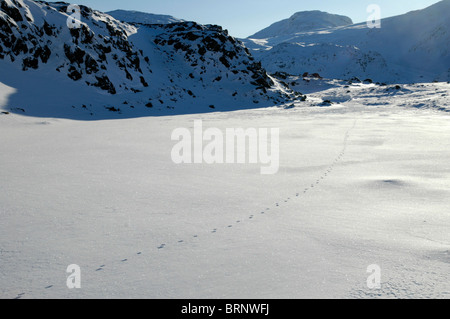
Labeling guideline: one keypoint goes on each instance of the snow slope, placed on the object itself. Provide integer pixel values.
(304, 21)
(362, 182)
(86, 176)
(142, 17)
(121, 70)
(413, 47)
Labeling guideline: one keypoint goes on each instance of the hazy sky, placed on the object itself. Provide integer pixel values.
(245, 17)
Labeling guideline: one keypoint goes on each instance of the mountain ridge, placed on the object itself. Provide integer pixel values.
(132, 16)
(303, 21)
(413, 47)
(119, 69)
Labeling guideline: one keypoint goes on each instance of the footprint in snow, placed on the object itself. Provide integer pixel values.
(19, 295)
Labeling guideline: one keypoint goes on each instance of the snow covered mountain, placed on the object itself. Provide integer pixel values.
(118, 69)
(304, 21)
(142, 17)
(414, 47)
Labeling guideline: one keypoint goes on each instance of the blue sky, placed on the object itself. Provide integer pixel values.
(245, 17)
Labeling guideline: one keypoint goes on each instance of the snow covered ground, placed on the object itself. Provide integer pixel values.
(413, 47)
(364, 181)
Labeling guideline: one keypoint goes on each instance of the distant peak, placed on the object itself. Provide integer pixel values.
(303, 21)
(131, 16)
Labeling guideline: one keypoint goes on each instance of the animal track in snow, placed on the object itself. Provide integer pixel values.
(19, 295)
(251, 217)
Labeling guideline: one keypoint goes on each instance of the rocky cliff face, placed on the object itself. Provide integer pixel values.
(89, 53)
(182, 65)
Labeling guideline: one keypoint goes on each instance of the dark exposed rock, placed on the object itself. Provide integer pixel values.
(354, 80)
(224, 61)
(104, 83)
(326, 103)
(91, 65)
(281, 75)
(128, 75)
(13, 12)
(259, 76)
(5, 27)
(19, 47)
(209, 53)
(30, 63)
(191, 36)
(76, 56)
(144, 83)
(48, 29)
(44, 53)
(74, 74)
(112, 109)
(135, 61)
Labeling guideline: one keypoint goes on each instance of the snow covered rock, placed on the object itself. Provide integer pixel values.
(303, 21)
(414, 47)
(90, 53)
(178, 67)
(142, 17)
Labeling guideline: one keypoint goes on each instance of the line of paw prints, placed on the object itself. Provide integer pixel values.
(277, 205)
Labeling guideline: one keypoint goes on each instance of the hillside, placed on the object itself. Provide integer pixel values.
(107, 68)
(414, 47)
(304, 21)
(142, 17)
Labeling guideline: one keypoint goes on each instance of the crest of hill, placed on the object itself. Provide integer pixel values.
(303, 21)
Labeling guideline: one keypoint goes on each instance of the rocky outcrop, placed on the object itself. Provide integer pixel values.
(153, 66)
